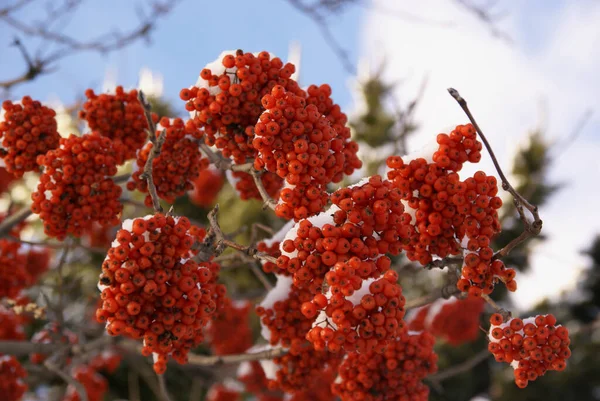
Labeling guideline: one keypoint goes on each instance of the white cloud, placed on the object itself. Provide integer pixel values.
(504, 85)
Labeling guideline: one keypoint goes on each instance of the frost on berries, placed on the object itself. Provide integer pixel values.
(153, 291)
(531, 346)
(450, 216)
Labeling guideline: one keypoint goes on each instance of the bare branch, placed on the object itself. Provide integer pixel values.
(486, 17)
(446, 292)
(532, 228)
(157, 144)
(162, 385)
(319, 19)
(13, 220)
(214, 360)
(68, 379)
(506, 314)
(463, 367)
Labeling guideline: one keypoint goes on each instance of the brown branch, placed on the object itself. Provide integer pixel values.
(215, 243)
(268, 201)
(157, 144)
(162, 385)
(34, 67)
(319, 19)
(13, 220)
(214, 360)
(506, 314)
(68, 379)
(463, 367)
(532, 228)
(446, 292)
(485, 16)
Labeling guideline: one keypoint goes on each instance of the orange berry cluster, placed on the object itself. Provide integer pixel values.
(87, 374)
(220, 392)
(6, 179)
(396, 374)
(298, 143)
(369, 323)
(94, 383)
(532, 346)
(151, 290)
(207, 186)
(246, 188)
(28, 130)
(283, 322)
(297, 369)
(229, 331)
(252, 376)
(456, 321)
(175, 168)
(366, 222)
(226, 101)
(18, 269)
(76, 188)
(13, 269)
(119, 117)
(11, 325)
(449, 212)
(12, 386)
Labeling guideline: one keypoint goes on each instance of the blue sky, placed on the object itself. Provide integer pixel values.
(194, 33)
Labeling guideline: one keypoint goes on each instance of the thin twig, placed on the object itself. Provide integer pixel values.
(445, 292)
(162, 385)
(506, 314)
(68, 379)
(214, 360)
(133, 385)
(465, 366)
(532, 228)
(14, 219)
(326, 33)
(268, 201)
(157, 144)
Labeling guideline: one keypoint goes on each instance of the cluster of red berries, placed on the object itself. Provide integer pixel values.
(98, 236)
(152, 290)
(28, 130)
(532, 346)
(94, 383)
(450, 213)
(119, 117)
(296, 370)
(456, 321)
(13, 269)
(87, 374)
(76, 188)
(11, 325)
(229, 331)
(396, 374)
(226, 100)
(298, 143)
(207, 186)
(244, 184)
(221, 392)
(20, 264)
(12, 386)
(176, 167)
(369, 323)
(281, 319)
(364, 223)
(6, 179)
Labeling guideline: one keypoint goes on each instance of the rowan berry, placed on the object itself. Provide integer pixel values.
(119, 117)
(29, 129)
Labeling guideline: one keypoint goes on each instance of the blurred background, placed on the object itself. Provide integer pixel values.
(529, 71)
